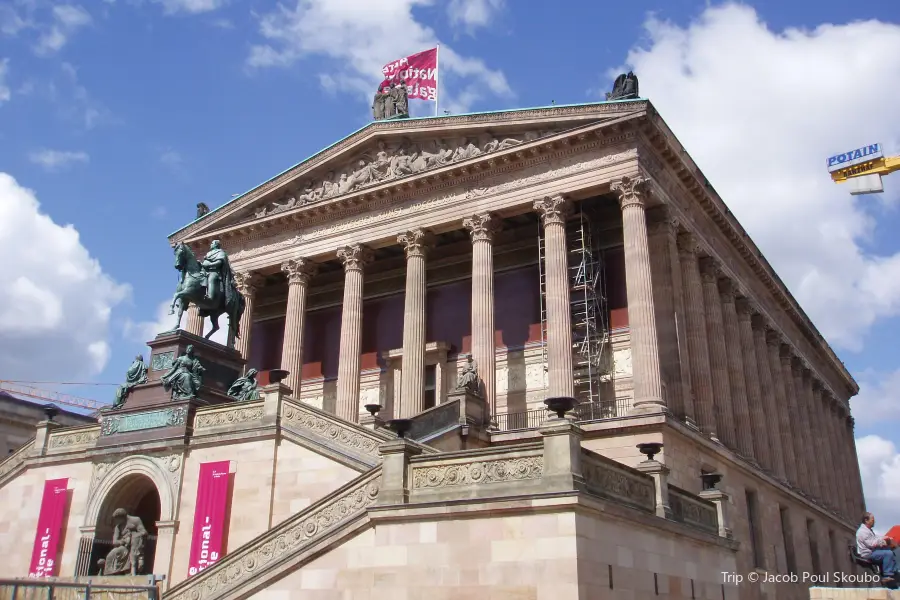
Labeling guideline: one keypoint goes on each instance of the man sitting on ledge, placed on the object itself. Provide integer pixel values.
(875, 548)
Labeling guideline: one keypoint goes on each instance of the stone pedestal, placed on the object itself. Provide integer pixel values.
(660, 474)
(720, 499)
(395, 470)
(562, 455)
(149, 413)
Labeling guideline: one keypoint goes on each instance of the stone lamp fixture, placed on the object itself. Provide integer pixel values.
(277, 375)
(650, 449)
(50, 411)
(710, 480)
(561, 405)
(373, 409)
(400, 426)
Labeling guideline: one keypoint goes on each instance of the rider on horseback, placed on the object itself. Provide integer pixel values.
(214, 264)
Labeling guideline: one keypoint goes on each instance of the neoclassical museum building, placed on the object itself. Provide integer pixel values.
(457, 271)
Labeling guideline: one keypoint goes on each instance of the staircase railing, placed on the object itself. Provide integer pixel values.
(252, 565)
(44, 589)
(11, 465)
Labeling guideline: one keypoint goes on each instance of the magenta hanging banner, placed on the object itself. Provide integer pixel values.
(209, 515)
(49, 528)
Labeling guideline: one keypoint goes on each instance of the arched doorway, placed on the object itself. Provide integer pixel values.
(137, 494)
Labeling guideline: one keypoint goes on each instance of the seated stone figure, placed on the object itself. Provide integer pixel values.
(245, 388)
(468, 379)
(127, 555)
(136, 375)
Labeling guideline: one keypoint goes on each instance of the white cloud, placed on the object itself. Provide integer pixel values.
(760, 111)
(359, 40)
(473, 13)
(55, 160)
(66, 20)
(190, 6)
(5, 94)
(878, 401)
(144, 331)
(55, 299)
(879, 464)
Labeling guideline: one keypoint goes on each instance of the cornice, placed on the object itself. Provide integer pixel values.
(664, 145)
(378, 129)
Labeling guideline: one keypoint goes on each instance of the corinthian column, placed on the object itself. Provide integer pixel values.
(553, 212)
(194, 321)
(827, 463)
(787, 375)
(803, 387)
(354, 259)
(768, 395)
(761, 444)
(773, 344)
(718, 358)
(859, 503)
(482, 228)
(842, 454)
(741, 409)
(247, 284)
(697, 340)
(639, 287)
(298, 271)
(412, 375)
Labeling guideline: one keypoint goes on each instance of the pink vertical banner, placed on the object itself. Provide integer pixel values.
(49, 528)
(209, 515)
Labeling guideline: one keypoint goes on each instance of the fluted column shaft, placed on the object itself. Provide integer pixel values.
(639, 288)
(760, 432)
(696, 336)
(855, 476)
(481, 229)
(769, 402)
(194, 321)
(801, 388)
(773, 345)
(718, 357)
(843, 454)
(791, 396)
(354, 258)
(412, 374)
(828, 465)
(561, 377)
(840, 475)
(739, 405)
(298, 271)
(247, 285)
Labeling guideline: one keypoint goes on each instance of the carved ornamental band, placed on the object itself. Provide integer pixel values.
(415, 242)
(553, 209)
(354, 257)
(298, 270)
(632, 191)
(482, 227)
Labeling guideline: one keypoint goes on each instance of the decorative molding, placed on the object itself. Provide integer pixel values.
(168, 417)
(553, 210)
(165, 471)
(605, 477)
(632, 191)
(478, 472)
(482, 227)
(415, 242)
(354, 257)
(70, 439)
(299, 270)
(231, 415)
(248, 562)
(331, 430)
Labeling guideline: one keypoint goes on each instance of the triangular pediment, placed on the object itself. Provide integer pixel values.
(392, 151)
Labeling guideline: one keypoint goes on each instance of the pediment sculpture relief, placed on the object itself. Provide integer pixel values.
(391, 162)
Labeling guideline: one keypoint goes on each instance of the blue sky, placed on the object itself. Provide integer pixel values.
(118, 116)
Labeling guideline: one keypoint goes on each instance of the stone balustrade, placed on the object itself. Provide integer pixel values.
(693, 510)
(609, 479)
(15, 461)
(244, 413)
(72, 438)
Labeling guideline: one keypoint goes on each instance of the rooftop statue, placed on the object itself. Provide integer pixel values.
(136, 375)
(391, 102)
(185, 377)
(210, 286)
(624, 87)
(202, 209)
(127, 555)
(245, 388)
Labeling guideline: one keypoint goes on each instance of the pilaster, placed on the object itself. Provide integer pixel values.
(354, 259)
(761, 445)
(647, 378)
(785, 356)
(769, 402)
(827, 462)
(718, 358)
(739, 406)
(806, 426)
(481, 229)
(773, 346)
(247, 284)
(412, 374)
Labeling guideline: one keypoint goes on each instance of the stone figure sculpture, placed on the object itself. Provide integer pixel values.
(127, 555)
(136, 375)
(391, 102)
(185, 377)
(468, 378)
(209, 285)
(245, 388)
(401, 161)
(202, 209)
(400, 93)
(624, 87)
(378, 105)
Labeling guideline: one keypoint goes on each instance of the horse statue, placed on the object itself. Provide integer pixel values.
(210, 285)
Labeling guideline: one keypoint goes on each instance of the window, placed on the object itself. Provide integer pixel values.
(813, 546)
(430, 386)
(755, 537)
(787, 536)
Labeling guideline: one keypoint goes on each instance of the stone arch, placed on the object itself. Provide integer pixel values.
(114, 482)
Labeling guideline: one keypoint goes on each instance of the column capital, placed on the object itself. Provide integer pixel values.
(758, 322)
(661, 220)
(727, 289)
(482, 227)
(354, 257)
(632, 191)
(773, 337)
(687, 243)
(709, 269)
(745, 308)
(298, 270)
(248, 282)
(553, 209)
(415, 242)
(797, 365)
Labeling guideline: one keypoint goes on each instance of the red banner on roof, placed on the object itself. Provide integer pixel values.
(419, 72)
(49, 528)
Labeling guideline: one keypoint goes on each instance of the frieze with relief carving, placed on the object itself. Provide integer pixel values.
(301, 417)
(84, 437)
(391, 161)
(230, 416)
(479, 472)
(504, 182)
(604, 478)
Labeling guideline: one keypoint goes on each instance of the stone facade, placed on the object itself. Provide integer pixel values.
(18, 418)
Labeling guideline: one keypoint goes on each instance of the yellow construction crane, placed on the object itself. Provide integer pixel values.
(26, 388)
(863, 168)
